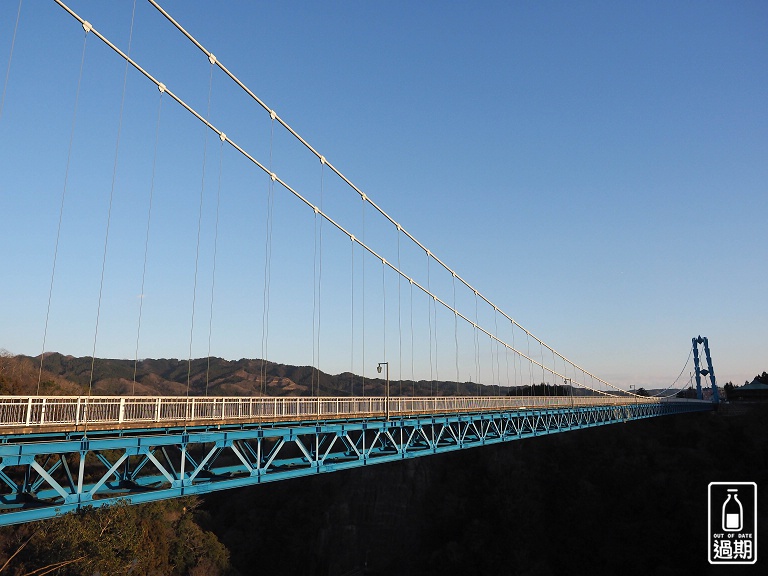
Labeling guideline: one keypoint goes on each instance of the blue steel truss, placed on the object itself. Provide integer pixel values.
(43, 477)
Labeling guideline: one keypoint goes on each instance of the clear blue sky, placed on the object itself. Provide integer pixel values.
(599, 170)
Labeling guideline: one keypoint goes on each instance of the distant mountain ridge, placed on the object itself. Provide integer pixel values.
(71, 375)
(63, 374)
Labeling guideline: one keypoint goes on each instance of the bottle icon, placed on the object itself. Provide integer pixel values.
(733, 513)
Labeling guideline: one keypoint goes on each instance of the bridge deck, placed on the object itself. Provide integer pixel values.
(34, 414)
(96, 451)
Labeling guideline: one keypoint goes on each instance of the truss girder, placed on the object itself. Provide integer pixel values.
(36, 481)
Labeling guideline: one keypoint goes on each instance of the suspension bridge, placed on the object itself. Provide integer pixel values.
(381, 297)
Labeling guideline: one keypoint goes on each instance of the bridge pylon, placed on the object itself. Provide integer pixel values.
(708, 371)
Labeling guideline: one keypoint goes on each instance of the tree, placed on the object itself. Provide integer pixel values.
(156, 538)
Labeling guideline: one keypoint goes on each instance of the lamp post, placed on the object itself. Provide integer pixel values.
(378, 369)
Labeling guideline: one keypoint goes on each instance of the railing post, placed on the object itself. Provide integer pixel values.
(42, 413)
(157, 410)
(77, 412)
(121, 415)
(29, 410)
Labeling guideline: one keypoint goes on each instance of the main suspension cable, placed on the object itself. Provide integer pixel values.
(365, 199)
(287, 127)
(659, 394)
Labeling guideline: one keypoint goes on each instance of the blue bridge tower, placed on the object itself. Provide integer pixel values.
(708, 371)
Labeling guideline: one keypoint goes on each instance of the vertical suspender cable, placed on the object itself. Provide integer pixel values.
(399, 316)
(477, 348)
(530, 362)
(554, 366)
(267, 261)
(429, 314)
(455, 332)
(384, 306)
(320, 276)
(498, 364)
(199, 226)
(352, 319)
(514, 358)
(493, 368)
(437, 360)
(565, 376)
(413, 372)
(314, 307)
(316, 302)
(319, 273)
(146, 238)
(87, 28)
(109, 209)
(363, 292)
(10, 59)
(222, 137)
(506, 359)
(494, 372)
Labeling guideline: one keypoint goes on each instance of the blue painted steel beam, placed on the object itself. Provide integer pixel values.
(40, 478)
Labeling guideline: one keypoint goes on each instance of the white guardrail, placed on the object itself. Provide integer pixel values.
(44, 411)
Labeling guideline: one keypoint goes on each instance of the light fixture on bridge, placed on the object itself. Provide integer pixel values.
(378, 369)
